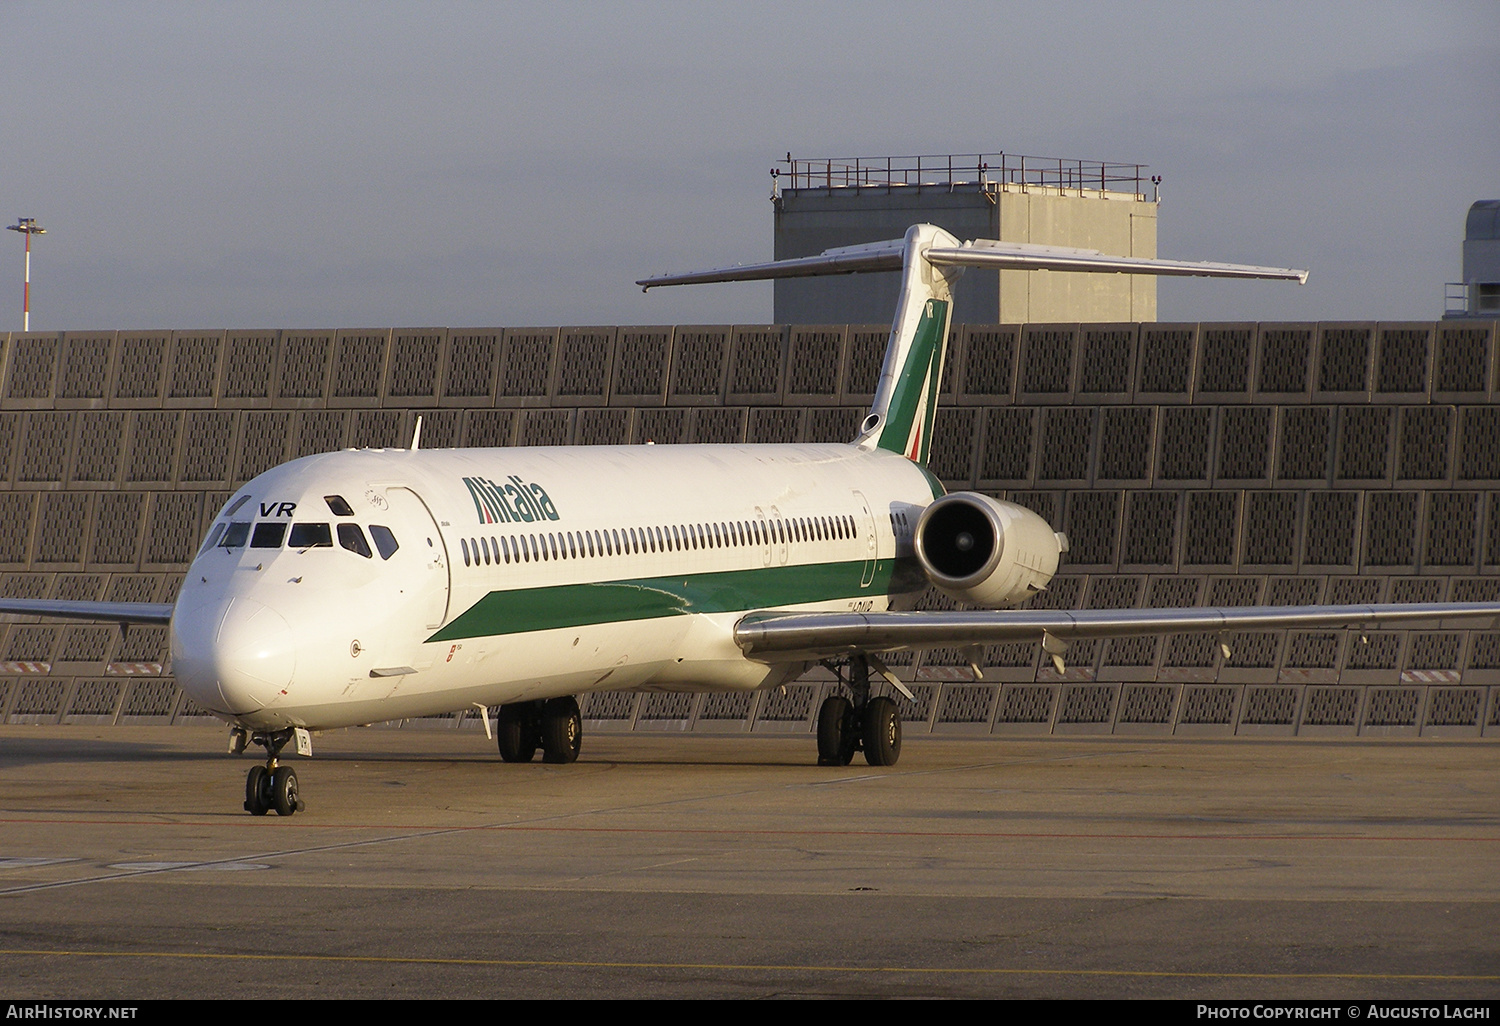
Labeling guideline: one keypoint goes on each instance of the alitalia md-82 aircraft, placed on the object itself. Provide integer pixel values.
(375, 584)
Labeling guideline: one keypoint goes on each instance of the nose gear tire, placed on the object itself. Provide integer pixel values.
(881, 732)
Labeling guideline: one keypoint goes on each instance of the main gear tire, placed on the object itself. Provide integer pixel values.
(562, 730)
(515, 733)
(837, 737)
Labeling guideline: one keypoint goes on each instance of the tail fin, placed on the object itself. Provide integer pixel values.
(901, 417)
(900, 420)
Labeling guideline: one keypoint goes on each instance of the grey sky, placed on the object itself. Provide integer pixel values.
(363, 164)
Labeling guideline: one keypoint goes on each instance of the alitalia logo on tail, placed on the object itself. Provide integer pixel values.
(514, 500)
(908, 422)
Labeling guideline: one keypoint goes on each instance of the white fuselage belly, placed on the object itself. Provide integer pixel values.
(529, 573)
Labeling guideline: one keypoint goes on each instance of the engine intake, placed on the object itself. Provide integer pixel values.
(986, 552)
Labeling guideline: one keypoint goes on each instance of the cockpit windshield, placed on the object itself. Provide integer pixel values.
(268, 535)
(310, 536)
(353, 539)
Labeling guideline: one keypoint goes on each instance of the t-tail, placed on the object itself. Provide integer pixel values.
(905, 407)
(930, 260)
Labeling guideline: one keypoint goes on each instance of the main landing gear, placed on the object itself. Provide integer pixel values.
(554, 725)
(871, 724)
(271, 786)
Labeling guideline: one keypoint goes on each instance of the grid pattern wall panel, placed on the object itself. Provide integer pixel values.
(1188, 464)
(31, 371)
(1403, 360)
(194, 369)
(85, 367)
(757, 363)
(1225, 362)
(814, 360)
(473, 358)
(1344, 361)
(358, 364)
(585, 359)
(416, 364)
(305, 357)
(141, 364)
(1168, 352)
(866, 351)
(44, 447)
(1461, 366)
(1285, 362)
(98, 446)
(1107, 361)
(594, 426)
(526, 361)
(642, 357)
(989, 364)
(250, 363)
(1048, 355)
(700, 355)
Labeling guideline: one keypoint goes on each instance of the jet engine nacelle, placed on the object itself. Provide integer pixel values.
(986, 552)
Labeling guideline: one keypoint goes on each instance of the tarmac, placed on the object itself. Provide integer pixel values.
(733, 867)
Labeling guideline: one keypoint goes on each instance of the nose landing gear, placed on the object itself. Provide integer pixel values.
(869, 724)
(272, 786)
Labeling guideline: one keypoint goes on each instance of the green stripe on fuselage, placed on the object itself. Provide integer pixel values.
(728, 591)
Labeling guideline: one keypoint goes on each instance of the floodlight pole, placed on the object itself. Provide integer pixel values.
(28, 227)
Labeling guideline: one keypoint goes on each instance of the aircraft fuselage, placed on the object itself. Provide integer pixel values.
(369, 585)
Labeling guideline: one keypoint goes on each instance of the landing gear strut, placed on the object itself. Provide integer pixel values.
(272, 786)
(555, 726)
(869, 724)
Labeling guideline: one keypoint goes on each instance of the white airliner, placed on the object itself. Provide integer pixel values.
(376, 584)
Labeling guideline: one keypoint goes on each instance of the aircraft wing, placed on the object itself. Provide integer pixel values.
(787, 637)
(114, 612)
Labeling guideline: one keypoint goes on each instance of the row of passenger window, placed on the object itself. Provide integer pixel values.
(672, 538)
(270, 534)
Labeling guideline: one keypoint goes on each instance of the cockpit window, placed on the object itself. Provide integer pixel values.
(340, 507)
(213, 537)
(237, 504)
(353, 539)
(234, 537)
(385, 541)
(311, 536)
(268, 535)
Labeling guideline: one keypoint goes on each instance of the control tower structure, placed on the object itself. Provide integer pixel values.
(1478, 295)
(1054, 201)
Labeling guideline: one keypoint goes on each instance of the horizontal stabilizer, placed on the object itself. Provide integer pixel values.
(1022, 257)
(785, 637)
(1011, 256)
(874, 256)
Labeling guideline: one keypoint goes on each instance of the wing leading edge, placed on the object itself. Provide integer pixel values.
(110, 612)
(787, 637)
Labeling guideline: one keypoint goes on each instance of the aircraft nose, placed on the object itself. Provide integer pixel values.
(237, 661)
